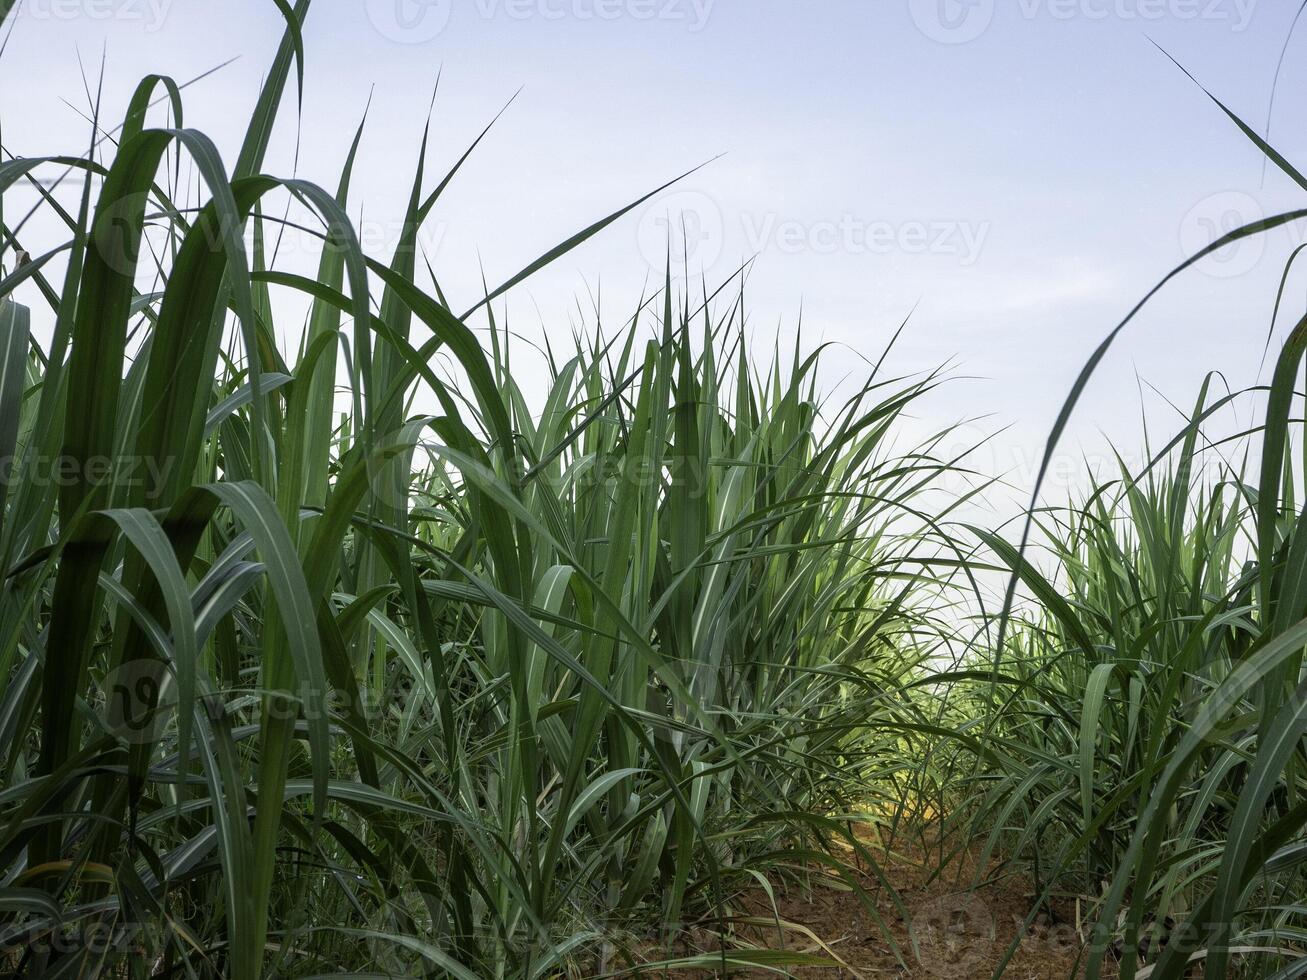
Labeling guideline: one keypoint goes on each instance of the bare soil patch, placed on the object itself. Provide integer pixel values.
(959, 933)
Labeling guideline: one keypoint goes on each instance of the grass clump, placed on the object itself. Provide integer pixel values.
(499, 690)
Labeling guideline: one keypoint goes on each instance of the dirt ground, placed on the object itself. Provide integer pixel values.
(959, 933)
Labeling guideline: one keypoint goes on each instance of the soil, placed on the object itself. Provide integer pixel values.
(960, 933)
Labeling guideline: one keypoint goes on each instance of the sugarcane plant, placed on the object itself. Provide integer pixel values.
(338, 655)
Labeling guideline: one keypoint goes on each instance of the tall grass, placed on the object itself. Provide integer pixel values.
(344, 656)
(1141, 735)
(1137, 757)
(295, 682)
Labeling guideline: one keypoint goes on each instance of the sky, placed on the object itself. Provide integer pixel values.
(1013, 175)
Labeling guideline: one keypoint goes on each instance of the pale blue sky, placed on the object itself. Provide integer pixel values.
(1020, 170)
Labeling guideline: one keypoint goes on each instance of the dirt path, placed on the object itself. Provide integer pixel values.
(960, 934)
